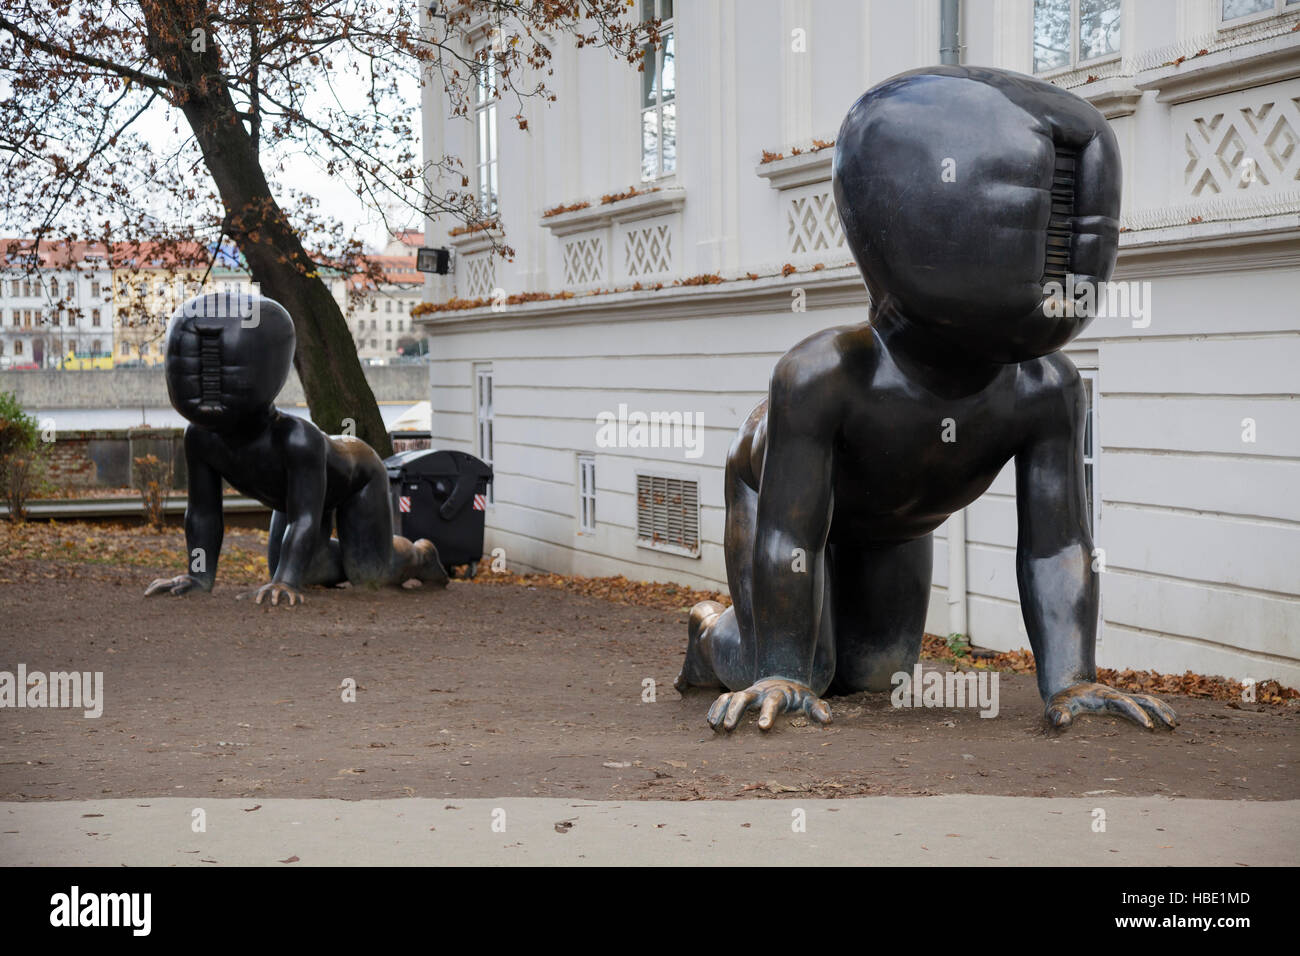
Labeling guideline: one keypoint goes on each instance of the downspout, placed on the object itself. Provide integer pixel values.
(957, 573)
(949, 41)
(950, 53)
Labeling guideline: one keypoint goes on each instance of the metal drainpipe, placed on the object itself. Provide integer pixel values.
(957, 573)
(949, 28)
(950, 53)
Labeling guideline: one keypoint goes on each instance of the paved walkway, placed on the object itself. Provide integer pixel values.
(961, 830)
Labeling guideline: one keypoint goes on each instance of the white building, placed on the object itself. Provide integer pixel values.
(379, 314)
(65, 306)
(1195, 455)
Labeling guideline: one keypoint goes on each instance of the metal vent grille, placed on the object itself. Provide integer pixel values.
(1057, 259)
(668, 512)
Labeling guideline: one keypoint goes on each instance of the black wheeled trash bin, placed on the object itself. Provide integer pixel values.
(442, 496)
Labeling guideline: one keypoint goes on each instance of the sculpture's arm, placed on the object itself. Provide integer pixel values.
(793, 520)
(304, 455)
(1054, 559)
(792, 523)
(204, 523)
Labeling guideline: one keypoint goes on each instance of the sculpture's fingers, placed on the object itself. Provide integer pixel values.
(261, 593)
(157, 587)
(1158, 709)
(819, 711)
(1124, 705)
(773, 704)
(180, 588)
(740, 703)
(718, 710)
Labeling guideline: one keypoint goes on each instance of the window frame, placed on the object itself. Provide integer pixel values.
(1279, 7)
(1074, 63)
(484, 100)
(667, 33)
(485, 421)
(586, 493)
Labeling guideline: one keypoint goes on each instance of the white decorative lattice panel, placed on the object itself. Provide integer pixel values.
(480, 275)
(648, 248)
(812, 222)
(1242, 144)
(584, 259)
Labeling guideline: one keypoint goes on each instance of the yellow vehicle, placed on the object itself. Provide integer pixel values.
(78, 361)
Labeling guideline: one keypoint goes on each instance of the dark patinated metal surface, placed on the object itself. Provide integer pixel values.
(963, 192)
(228, 356)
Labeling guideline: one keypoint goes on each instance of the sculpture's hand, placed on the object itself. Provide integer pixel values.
(181, 584)
(1098, 698)
(277, 590)
(770, 696)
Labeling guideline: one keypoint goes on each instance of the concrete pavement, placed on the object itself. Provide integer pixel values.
(963, 830)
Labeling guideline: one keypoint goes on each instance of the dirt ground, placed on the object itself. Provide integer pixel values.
(511, 690)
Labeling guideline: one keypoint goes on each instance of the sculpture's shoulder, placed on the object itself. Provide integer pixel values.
(819, 364)
(297, 436)
(1051, 388)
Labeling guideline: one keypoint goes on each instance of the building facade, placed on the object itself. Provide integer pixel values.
(379, 313)
(55, 301)
(675, 233)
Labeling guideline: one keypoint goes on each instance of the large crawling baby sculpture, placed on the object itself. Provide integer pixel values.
(964, 192)
(228, 356)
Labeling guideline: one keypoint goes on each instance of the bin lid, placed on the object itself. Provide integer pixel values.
(435, 462)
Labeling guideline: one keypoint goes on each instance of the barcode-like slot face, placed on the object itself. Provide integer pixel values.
(1057, 259)
(210, 368)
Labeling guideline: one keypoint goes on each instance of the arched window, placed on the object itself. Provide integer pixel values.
(54, 287)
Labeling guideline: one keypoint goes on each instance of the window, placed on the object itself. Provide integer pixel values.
(388, 305)
(668, 514)
(374, 306)
(586, 494)
(485, 132)
(659, 95)
(1091, 446)
(401, 305)
(388, 325)
(483, 419)
(1071, 33)
(125, 349)
(96, 347)
(94, 287)
(18, 347)
(1234, 12)
(94, 317)
(54, 288)
(388, 345)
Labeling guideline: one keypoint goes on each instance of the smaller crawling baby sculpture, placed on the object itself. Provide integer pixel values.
(228, 356)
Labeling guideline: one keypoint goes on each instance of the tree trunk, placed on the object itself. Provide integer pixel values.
(326, 358)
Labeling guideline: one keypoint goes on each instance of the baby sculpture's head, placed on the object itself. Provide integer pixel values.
(965, 191)
(228, 356)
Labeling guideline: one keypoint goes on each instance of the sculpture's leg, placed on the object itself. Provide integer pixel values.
(720, 642)
(326, 566)
(879, 604)
(371, 554)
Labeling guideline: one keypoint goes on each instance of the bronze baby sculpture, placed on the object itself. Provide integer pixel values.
(963, 192)
(227, 357)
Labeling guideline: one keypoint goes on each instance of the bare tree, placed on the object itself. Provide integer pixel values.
(113, 111)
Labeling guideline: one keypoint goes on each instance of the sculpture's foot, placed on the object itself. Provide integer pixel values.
(1089, 697)
(696, 669)
(428, 565)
